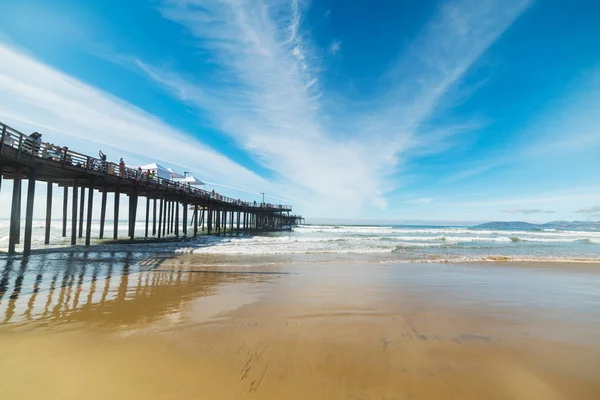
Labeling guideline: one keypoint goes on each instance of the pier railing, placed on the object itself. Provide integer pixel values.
(24, 144)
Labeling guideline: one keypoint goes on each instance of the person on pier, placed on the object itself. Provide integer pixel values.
(121, 167)
(36, 139)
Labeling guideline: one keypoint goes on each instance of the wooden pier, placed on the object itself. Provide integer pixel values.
(178, 210)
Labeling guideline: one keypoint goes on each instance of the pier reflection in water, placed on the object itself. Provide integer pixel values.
(101, 288)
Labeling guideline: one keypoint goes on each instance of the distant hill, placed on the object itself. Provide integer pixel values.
(561, 225)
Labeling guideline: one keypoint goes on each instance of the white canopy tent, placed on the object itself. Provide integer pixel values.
(158, 169)
(191, 180)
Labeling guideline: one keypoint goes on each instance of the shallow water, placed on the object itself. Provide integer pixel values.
(416, 243)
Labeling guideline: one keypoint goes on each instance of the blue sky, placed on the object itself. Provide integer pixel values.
(420, 110)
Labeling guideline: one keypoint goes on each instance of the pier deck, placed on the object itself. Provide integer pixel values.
(22, 157)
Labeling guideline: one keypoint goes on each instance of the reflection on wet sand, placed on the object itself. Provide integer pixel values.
(121, 325)
(100, 291)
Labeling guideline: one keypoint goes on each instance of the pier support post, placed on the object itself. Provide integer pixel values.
(147, 215)
(223, 220)
(196, 220)
(65, 211)
(133, 212)
(176, 205)
(116, 214)
(90, 205)
(185, 214)
(48, 212)
(81, 211)
(74, 216)
(238, 222)
(14, 211)
(160, 216)
(173, 206)
(168, 219)
(219, 220)
(154, 217)
(164, 217)
(231, 223)
(209, 220)
(103, 212)
(29, 211)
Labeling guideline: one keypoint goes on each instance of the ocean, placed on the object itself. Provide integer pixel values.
(389, 243)
(415, 244)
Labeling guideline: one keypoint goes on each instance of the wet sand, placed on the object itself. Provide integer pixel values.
(193, 327)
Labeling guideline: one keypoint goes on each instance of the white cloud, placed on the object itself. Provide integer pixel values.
(424, 200)
(527, 211)
(335, 46)
(593, 210)
(271, 105)
(69, 112)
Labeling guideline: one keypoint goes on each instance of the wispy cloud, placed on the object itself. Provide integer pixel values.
(271, 101)
(70, 112)
(527, 211)
(424, 200)
(335, 46)
(567, 126)
(593, 210)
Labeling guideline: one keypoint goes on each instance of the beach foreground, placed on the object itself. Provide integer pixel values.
(95, 327)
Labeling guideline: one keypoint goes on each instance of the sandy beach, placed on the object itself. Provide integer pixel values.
(196, 327)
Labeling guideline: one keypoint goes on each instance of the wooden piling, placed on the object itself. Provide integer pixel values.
(88, 227)
(48, 212)
(18, 227)
(133, 212)
(147, 215)
(103, 212)
(160, 217)
(65, 210)
(185, 222)
(74, 216)
(81, 212)
(204, 217)
(176, 206)
(216, 214)
(154, 217)
(29, 211)
(164, 218)
(173, 206)
(209, 220)
(196, 220)
(116, 213)
(168, 219)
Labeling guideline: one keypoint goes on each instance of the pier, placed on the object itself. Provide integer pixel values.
(173, 209)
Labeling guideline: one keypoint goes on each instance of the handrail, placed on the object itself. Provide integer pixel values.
(48, 151)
